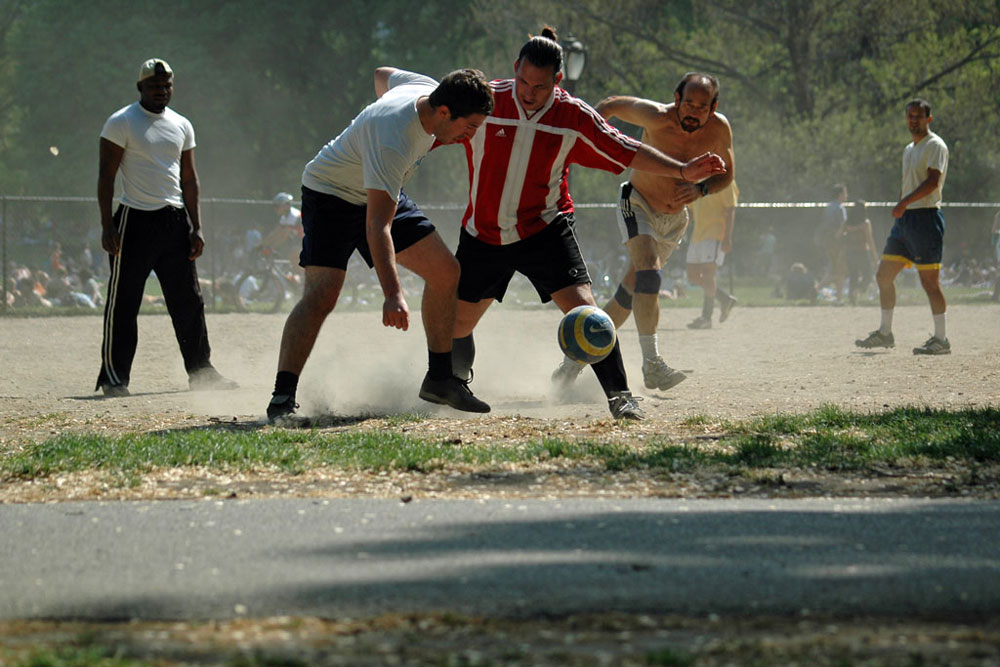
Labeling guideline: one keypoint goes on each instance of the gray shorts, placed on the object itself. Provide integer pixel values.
(635, 218)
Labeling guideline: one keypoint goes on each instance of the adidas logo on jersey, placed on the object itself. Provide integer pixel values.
(500, 133)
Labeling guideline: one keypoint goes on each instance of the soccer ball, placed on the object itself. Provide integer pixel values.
(587, 334)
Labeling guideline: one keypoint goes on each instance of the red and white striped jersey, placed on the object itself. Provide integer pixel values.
(518, 166)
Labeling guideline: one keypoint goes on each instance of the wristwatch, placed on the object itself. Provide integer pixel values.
(703, 186)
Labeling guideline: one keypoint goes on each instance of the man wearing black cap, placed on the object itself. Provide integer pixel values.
(157, 227)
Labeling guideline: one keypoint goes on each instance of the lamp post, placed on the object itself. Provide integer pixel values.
(576, 58)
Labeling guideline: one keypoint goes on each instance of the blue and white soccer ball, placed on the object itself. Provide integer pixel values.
(587, 334)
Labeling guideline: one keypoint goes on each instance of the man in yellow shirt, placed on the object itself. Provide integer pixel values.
(711, 240)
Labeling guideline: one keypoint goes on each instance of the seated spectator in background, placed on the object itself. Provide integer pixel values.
(29, 296)
(57, 288)
(800, 284)
(41, 287)
(90, 287)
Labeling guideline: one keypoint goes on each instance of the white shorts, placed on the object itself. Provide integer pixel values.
(706, 252)
(636, 218)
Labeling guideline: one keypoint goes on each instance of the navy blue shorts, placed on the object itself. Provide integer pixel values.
(335, 228)
(917, 239)
(551, 260)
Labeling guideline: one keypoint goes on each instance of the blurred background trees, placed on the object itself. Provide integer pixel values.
(814, 90)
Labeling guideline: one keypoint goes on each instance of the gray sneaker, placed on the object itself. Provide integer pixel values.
(876, 339)
(566, 373)
(701, 323)
(934, 345)
(726, 307)
(624, 405)
(657, 375)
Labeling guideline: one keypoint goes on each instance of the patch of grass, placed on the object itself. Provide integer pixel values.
(91, 656)
(828, 438)
(696, 420)
(668, 657)
(834, 438)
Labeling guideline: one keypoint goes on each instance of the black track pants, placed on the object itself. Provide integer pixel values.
(152, 241)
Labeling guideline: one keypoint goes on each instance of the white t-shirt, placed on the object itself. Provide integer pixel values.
(379, 149)
(150, 171)
(930, 153)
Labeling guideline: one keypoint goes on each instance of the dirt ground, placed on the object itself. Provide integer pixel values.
(761, 361)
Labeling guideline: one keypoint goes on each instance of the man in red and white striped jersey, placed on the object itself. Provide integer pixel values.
(520, 213)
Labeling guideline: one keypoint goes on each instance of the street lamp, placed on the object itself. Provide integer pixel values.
(576, 58)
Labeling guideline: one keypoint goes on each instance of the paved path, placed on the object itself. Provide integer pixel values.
(221, 558)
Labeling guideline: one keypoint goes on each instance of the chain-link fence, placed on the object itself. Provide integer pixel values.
(51, 246)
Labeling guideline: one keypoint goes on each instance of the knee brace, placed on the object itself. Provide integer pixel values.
(648, 281)
(623, 298)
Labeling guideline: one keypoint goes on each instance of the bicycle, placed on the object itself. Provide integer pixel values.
(265, 286)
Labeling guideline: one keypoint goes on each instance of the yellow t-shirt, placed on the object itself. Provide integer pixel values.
(710, 214)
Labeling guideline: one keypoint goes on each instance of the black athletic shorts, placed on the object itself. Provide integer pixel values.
(335, 228)
(551, 260)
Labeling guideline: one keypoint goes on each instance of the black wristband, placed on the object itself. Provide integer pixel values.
(703, 186)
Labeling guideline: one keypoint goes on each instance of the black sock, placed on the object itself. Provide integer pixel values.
(610, 372)
(706, 307)
(439, 365)
(286, 383)
(463, 354)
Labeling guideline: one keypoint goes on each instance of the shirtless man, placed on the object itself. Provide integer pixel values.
(651, 211)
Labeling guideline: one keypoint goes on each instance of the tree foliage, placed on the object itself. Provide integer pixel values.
(814, 90)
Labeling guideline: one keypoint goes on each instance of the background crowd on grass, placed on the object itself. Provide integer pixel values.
(69, 274)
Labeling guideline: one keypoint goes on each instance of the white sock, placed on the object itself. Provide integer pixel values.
(570, 360)
(939, 327)
(649, 347)
(886, 326)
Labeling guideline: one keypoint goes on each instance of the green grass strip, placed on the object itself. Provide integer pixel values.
(829, 438)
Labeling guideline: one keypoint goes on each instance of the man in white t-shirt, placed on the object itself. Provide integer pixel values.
(917, 237)
(352, 199)
(157, 227)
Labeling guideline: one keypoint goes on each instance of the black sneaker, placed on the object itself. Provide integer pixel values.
(209, 379)
(624, 405)
(876, 339)
(453, 392)
(115, 390)
(281, 406)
